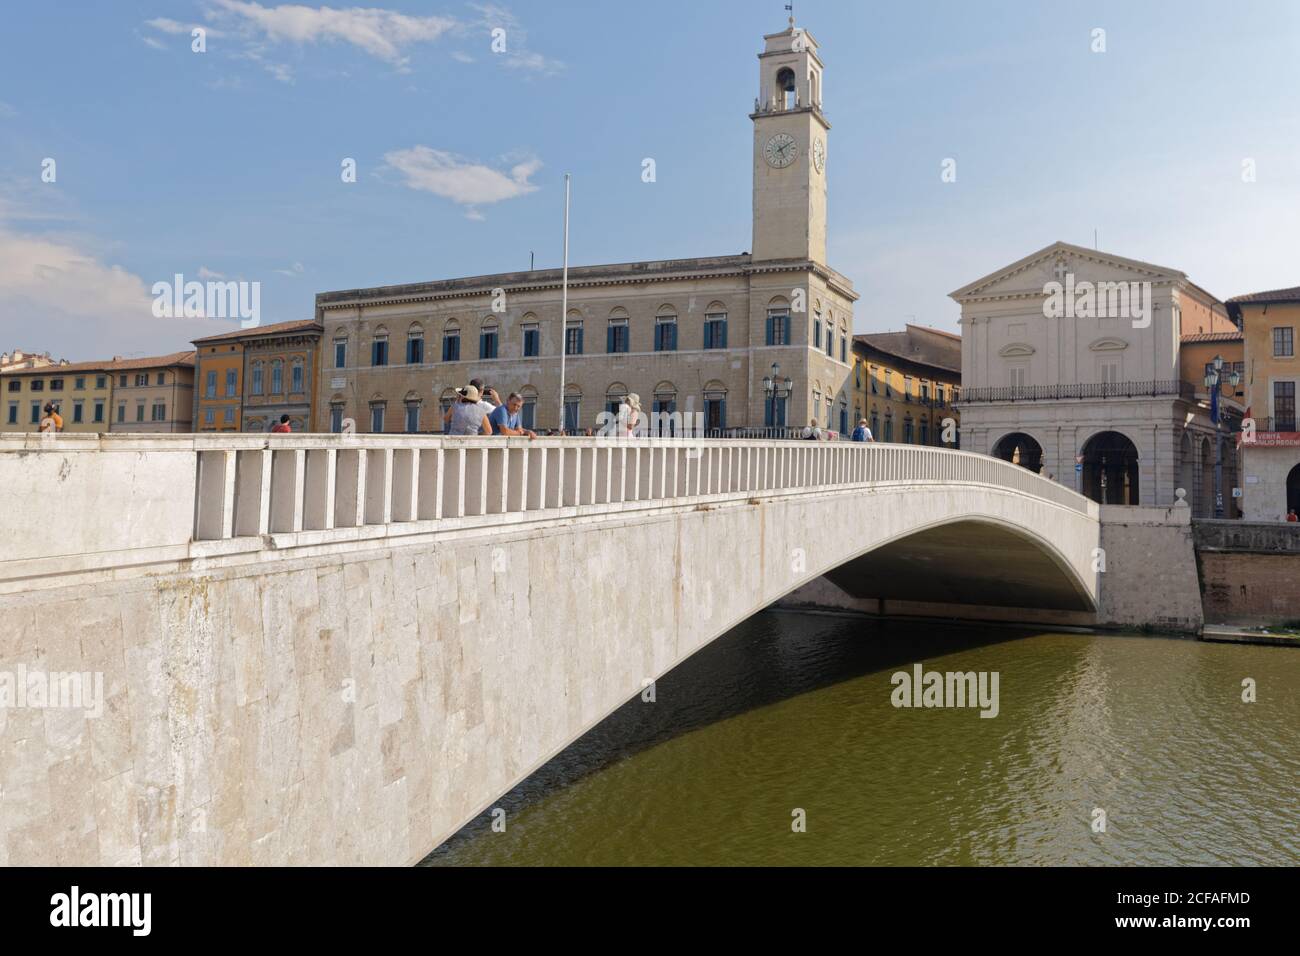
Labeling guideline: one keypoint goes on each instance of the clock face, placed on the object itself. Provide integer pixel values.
(780, 151)
(819, 155)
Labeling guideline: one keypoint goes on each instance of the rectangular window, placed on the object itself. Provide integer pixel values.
(121, 381)
(139, 412)
(451, 347)
(277, 378)
(340, 353)
(1283, 342)
(121, 412)
(616, 339)
(817, 331)
(36, 413)
(715, 331)
(412, 419)
(336, 419)
(56, 385)
(487, 344)
(1019, 376)
(572, 414)
(1284, 406)
(532, 341)
(38, 385)
(1110, 372)
(231, 378)
(210, 389)
(415, 350)
(209, 416)
(844, 348)
(15, 385)
(162, 378)
(141, 379)
(377, 419)
(80, 383)
(78, 413)
(573, 340)
(257, 380)
(830, 342)
(296, 379)
(778, 326)
(907, 388)
(528, 416)
(159, 412)
(99, 412)
(101, 381)
(13, 413)
(228, 416)
(379, 353)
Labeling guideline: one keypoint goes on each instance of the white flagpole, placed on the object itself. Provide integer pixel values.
(564, 299)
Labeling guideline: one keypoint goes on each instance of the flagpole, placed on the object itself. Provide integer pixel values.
(564, 300)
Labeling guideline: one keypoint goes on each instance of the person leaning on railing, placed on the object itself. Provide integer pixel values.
(466, 416)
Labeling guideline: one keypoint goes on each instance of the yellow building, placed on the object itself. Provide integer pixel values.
(82, 392)
(154, 394)
(218, 384)
(1271, 451)
(906, 384)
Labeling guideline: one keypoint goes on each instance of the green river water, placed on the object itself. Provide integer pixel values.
(793, 712)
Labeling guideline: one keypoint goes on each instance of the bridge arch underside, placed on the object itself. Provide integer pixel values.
(970, 561)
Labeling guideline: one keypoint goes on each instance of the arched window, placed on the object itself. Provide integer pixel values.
(378, 406)
(415, 344)
(258, 382)
(615, 395)
(488, 340)
(778, 321)
(337, 404)
(379, 348)
(666, 329)
(715, 326)
(715, 408)
(787, 95)
(528, 414)
(341, 351)
(451, 341)
(532, 330)
(413, 403)
(277, 377)
(445, 401)
(617, 336)
(572, 409)
(665, 407)
(297, 377)
(573, 334)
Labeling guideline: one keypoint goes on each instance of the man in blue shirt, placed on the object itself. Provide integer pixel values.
(505, 419)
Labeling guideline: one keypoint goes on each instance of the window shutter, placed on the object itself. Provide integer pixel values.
(722, 329)
(609, 339)
(769, 330)
(787, 325)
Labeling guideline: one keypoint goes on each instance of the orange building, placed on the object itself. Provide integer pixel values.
(248, 379)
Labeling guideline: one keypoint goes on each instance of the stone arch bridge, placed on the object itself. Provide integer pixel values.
(338, 649)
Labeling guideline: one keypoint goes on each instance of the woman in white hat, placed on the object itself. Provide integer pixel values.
(466, 416)
(629, 414)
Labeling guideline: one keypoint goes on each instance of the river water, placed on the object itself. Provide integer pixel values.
(792, 712)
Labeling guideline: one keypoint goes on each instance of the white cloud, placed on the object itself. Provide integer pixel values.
(460, 57)
(294, 272)
(384, 34)
(517, 55)
(155, 43)
(206, 273)
(56, 294)
(460, 180)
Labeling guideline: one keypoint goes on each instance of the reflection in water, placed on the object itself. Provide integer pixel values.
(793, 711)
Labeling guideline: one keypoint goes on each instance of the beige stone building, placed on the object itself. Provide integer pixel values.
(687, 335)
(153, 394)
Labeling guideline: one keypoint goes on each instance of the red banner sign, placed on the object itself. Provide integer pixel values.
(1273, 440)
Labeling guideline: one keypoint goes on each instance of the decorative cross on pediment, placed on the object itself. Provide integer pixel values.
(1061, 270)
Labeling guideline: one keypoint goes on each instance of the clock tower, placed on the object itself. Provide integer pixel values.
(790, 135)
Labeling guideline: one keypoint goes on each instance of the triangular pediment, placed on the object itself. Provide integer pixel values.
(1028, 276)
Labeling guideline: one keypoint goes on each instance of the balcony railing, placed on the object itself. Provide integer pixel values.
(1275, 424)
(1050, 393)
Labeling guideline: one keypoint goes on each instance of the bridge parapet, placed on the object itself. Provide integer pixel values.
(90, 507)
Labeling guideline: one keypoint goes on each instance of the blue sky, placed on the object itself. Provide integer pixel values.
(227, 162)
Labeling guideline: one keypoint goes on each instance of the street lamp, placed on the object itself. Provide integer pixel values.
(777, 389)
(1214, 381)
